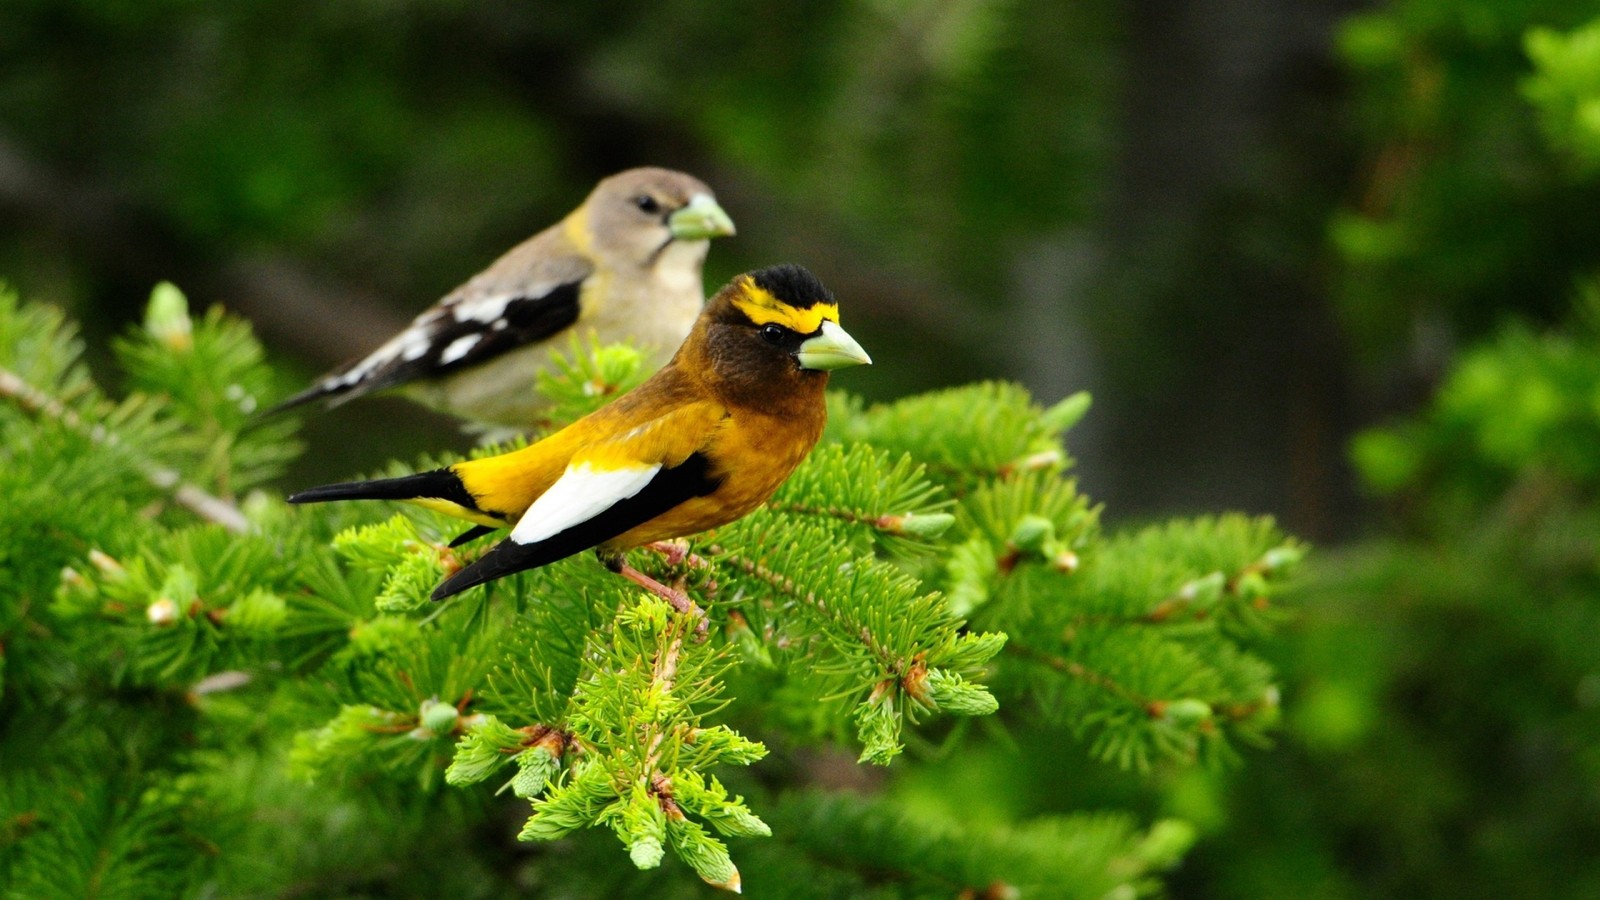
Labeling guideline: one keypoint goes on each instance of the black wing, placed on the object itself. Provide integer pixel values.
(450, 338)
(667, 489)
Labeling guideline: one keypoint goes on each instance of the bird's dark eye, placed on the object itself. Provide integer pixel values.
(773, 334)
(647, 203)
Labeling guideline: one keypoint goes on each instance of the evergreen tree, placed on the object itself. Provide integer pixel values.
(206, 691)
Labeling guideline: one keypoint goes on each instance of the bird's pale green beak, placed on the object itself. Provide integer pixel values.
(834, 348)
(700, 220)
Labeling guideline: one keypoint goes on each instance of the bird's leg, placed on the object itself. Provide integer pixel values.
(676, 553)
(679, 599)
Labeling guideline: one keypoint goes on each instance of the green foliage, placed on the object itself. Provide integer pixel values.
(79, 836)
(928, 566)
(1464, 213)
(215, 379)
(395, 550)
(1565, 89)
(1524, 403)
(588, 376)
(1087, 856)
(1447, 670)
(1441, 721)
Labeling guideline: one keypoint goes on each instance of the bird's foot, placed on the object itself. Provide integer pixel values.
(679, 599)
(677, 552)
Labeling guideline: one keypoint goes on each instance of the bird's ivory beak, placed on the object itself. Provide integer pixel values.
(700, 220)
(834, 348)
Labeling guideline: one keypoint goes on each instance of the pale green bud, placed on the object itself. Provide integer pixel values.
(1031, 533)
(1205, 591)
(706, 855)
(926, 525)
(958, 696)
(161, 612)
(1166, 843)
(535, 767)
(1280, 558)
(438, 717)
(1067, 412)
(258, 611)
(166, 318)
(1187, 713)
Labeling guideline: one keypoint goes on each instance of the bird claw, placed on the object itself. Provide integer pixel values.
(677, 552)
(680, 600)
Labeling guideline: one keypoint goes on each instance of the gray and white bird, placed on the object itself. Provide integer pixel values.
(623, 266)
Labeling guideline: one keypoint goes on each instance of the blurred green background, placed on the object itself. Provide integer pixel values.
(1251, 228)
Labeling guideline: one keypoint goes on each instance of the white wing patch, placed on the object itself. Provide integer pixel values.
(580, 494)
(483, 309)
(411, 344)
(457, 349)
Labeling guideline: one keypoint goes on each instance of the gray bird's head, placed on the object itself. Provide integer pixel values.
(649, 216)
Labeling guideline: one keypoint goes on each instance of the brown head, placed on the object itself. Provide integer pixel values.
(631, 218)
(768, 340)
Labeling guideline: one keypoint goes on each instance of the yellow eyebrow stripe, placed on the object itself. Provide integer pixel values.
(765, 309)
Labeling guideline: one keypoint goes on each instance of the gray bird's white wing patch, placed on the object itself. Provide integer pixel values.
(482, 319)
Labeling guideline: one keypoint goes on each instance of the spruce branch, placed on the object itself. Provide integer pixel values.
(188, 605)
(205, 505)
(931, 557)
(1076, 670)
(881, 841)
(586, 377)
(879, 498)
(969, 434)
(636, 715)
(212, 376)
(1242, 593)
(879, 635)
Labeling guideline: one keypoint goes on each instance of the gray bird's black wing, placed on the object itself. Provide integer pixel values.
(463, 331)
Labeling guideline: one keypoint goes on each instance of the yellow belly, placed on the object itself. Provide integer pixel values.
(460, 512)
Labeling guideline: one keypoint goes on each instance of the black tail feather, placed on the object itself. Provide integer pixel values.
(506, 558)
(443, 484)
(300, 399)
(472, 534)
(333, 393)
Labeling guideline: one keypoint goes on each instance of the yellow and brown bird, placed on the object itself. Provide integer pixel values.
(623, 266)
(704, 441)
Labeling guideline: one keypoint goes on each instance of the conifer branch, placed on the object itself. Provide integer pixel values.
(785, 585)
(1075, 670)
(876, 589)
(913, 524)
(205, 505)
(1205, 597)
(663, 674)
